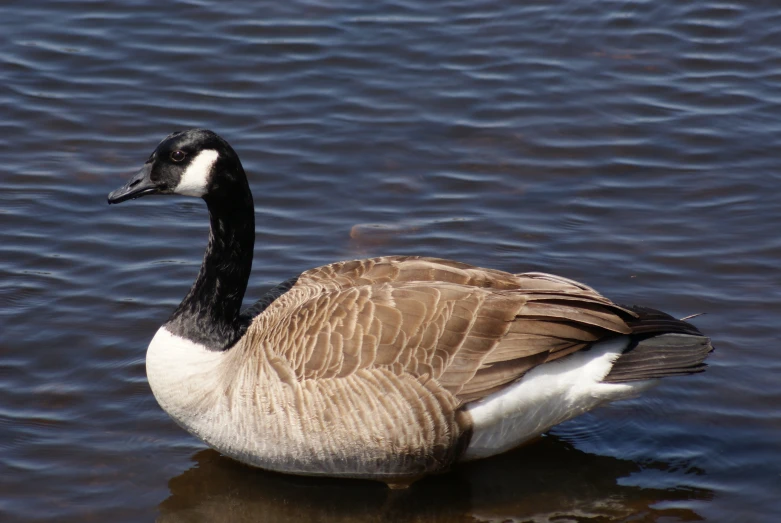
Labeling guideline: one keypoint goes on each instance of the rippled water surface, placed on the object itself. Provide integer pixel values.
(630, 145)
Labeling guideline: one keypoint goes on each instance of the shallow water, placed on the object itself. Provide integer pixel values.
(631, 145)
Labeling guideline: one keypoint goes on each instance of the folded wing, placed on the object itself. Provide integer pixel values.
(471, 330)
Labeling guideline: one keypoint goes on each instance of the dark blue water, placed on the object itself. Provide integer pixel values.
(634, 146)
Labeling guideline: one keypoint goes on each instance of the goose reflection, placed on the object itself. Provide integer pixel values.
(549, 479)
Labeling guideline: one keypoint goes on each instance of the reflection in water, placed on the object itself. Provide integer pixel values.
(549, 479)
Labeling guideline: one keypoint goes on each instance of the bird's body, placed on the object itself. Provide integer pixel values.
(385, 368)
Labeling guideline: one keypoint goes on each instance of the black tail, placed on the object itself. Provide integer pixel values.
(661, 346)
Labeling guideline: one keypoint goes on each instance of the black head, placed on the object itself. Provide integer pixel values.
(192, 163)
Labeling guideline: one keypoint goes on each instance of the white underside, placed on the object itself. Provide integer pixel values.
(202, 391)
(546, 396)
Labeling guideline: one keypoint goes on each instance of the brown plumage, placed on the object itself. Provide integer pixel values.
(386, 368)
(471, 330)
(380, 341)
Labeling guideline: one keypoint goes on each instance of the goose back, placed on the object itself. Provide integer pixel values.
(472, 330)
(366, 368)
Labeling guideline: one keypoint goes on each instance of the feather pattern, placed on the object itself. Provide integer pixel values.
(387, 368)
(368, 367)
(429, 317)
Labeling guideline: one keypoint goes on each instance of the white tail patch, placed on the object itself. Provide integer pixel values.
(546, 396)
(195, 179)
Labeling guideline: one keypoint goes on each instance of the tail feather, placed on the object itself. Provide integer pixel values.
(652, 321)
(662, 346)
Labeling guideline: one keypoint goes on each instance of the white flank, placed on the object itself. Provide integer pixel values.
(546, 396)
(196, 178)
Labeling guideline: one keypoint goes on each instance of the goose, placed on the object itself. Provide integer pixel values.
(389, 368)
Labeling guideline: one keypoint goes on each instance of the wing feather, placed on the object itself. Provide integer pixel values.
(470, 331)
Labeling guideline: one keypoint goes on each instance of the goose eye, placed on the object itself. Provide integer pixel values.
(177, 156)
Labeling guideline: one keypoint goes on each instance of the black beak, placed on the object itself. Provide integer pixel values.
(140, 185)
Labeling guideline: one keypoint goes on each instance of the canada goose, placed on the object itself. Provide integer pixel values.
(385, 368)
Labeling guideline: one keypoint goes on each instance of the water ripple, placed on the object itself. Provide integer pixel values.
(629, 144)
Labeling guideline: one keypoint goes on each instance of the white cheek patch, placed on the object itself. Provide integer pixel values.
(196, 177)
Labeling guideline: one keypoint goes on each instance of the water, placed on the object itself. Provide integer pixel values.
(630, 145)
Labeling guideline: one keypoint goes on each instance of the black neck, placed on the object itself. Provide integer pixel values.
(209, 314)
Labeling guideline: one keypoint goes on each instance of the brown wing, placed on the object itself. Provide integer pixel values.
(472, 330)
